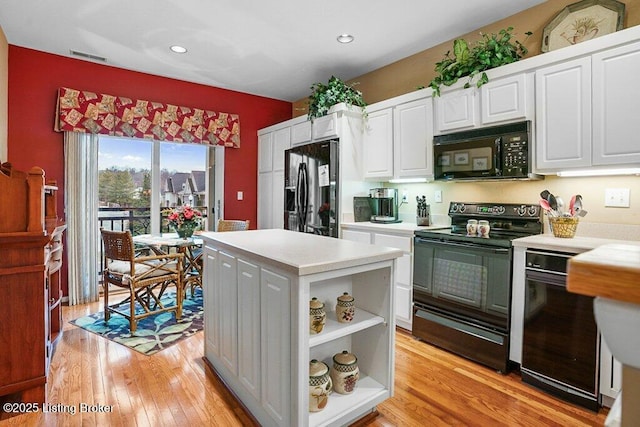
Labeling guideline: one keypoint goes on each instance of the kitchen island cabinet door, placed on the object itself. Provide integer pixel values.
(228, 317)
(616, 102)
(275, 313)
(249, 326)
(211, 294)
(563, 115)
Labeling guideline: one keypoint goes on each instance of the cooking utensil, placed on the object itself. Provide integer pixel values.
(545, 205)
(572, 203)
(553, 203)
(544, 194)
(577, 205)
(560, 203)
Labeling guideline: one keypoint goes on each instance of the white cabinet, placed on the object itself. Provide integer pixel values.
(616, 102)
(325, 127)
(413, 139)
(378, 145)
(258, 312)
(501, 100)
(271, 148)
(563, 115)
(275, 333)
(403, 285)
(506, 99)
(249, 322)
(301, 133)
(398, 139)
(610, 375)
(455, 110)
(228, 314)
(586, 111)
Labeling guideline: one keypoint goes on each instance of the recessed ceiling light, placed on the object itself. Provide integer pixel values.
(345, 38)
(178, 49)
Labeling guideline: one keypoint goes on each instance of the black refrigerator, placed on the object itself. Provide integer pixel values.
(311, 188)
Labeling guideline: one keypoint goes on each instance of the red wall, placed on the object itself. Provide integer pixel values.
(34, 78)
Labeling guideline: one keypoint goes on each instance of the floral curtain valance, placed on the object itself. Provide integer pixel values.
(82, 111)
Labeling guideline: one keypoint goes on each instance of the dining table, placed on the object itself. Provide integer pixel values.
(190, 247)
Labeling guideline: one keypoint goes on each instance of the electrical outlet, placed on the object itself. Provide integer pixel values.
(616, 197)
(405, 196)
(438, 196)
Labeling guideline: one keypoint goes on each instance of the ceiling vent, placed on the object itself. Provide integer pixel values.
(88, 56)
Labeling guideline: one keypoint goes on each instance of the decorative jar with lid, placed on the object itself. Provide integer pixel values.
(345, 308)
(344, 372)
(317, 316)
(320, 385)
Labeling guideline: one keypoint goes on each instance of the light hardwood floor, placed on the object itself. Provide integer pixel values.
(173, 388)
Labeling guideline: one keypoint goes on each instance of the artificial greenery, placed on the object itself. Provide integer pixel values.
(489, 52)
(334, 92)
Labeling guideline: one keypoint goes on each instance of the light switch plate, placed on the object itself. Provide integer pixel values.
(240, 195)
(616, 197)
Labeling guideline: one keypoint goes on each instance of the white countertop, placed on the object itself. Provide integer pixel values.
(300, 253)
(576, 244)
(406, 228)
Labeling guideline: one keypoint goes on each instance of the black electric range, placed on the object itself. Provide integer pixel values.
(462, 282)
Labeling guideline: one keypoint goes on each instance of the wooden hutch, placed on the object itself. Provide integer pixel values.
(30, 287)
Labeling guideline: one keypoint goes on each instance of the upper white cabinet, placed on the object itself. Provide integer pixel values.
(586, 111)
(506, 99)
(325, 127)
(457, 109)
(398, 138)
(616, 102)
(501, 100)
(563, 115)
(378, 145)
(301, 133)
(271, 148)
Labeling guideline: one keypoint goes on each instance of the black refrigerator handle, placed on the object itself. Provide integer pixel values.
(304, 199)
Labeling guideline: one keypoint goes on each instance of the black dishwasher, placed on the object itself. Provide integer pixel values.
(560, 343)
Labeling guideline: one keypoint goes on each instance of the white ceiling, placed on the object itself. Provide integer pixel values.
(276, 48)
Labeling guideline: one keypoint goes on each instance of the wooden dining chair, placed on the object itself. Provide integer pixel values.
(146, 278)
(194, 279)
(232, 225)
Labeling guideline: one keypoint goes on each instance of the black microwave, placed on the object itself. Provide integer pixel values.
(497, 152)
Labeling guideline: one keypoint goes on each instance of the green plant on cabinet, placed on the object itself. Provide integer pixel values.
(324, 96)
(470, 60)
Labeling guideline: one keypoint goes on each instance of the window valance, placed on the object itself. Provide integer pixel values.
(82, 111)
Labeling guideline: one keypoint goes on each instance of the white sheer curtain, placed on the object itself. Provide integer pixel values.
(81, 213)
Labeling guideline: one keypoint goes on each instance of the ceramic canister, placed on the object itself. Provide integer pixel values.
(483, 229)
(472, 227)
(320, 385)
(317, 316)
(345, 308)
(344, 372)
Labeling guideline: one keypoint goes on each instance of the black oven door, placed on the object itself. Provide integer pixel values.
(469, 159)
(464, 280)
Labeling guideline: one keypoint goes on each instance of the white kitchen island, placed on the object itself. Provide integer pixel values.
(257, 287)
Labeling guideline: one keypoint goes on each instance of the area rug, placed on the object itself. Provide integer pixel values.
(154, 333)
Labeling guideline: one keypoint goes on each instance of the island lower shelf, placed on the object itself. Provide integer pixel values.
(257, 334)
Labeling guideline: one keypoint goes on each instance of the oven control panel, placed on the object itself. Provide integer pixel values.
(493, 210)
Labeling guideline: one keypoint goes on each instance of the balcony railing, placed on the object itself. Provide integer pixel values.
(136, 220)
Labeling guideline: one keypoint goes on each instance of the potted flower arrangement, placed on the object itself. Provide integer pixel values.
(185, 220)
